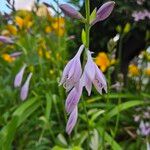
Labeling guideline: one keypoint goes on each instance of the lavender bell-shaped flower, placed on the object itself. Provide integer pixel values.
(72, 72)
(6, 40)
(92, 74)
(70, 11)
(19, 76)
(72, 120)
(73, 98)
(104, 11)
(25, 88)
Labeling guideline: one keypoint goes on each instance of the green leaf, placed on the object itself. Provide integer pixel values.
(48, 106)
(127, 28)
(109, 139)
(121, 107)
(93, 15)
(7, 134)
(26, 109)
(18, 117)
(83, 37)
(96, 115)
(94, 143)
(119, 29)
(61, 140)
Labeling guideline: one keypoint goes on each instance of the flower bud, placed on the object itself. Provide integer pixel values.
(6, 40)
(104, 11)
(25, 88)
(70, 11)
(19, 76)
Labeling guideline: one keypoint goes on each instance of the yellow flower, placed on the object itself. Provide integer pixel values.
(8, 58)
(59, 26)
(12, 29)
(24, 22)
(40, 52)
(47, 55)
(28, 21)
(147, 71)
(102, 61)
(60, 32)
(134, 70)
(19, 21)
(48, 29)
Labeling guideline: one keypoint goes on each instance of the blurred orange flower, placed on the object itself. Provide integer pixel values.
(24, 22)
(103, 61)
(8, 58)
(134, 70)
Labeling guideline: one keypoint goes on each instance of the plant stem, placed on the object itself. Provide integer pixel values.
(87, 24)
(87, 30)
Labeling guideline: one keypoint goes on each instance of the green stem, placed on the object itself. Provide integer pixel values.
(87, 30)
(87, 24)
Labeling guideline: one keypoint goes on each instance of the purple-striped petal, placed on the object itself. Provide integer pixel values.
(19, 76)
(25, 88)
(89, 67)
(87, 83)
(70, 11)
(99, 81)
(73, 98)
(72, 72)
(72, 121)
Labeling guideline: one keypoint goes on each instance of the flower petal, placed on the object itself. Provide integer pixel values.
(70, 11)
(99, 81)
(25, 88)
(72, 71)
(89, 67)
(19, 76)
(87, 83)
(6, 40)
(104, 11)
(73, 98)
(72, 121)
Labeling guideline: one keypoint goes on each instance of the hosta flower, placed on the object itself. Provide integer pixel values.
(104, 11)
(93, 75)
(25, 88)
(73, 98)
(72, 72)
(72, 120)
(70, 11)
(6, 40)
(19, 76)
